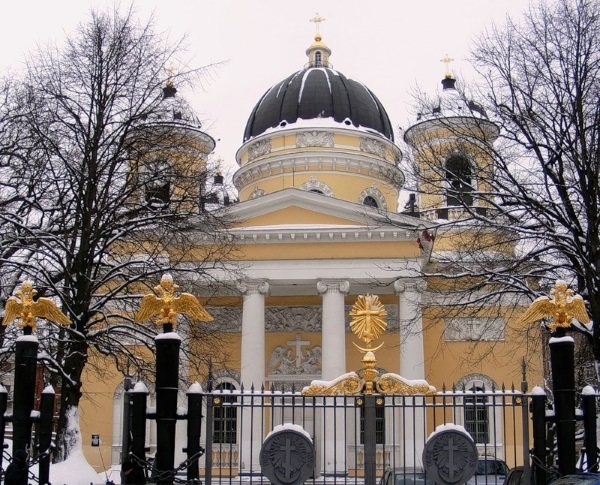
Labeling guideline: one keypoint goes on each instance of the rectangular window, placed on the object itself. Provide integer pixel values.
(379, 426)
(476, 418)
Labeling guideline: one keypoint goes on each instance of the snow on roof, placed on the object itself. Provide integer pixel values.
(328, 122)
(299, 226)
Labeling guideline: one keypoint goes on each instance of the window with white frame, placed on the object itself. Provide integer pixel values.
(474, 328)
(225, 415)
(476, 414)
(481, 416)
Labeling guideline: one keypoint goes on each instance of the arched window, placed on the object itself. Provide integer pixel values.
(459, 183)
(317, 191)
(157, 183)
(476, 414)
(318, 59)
(225, 416)
(371, 202)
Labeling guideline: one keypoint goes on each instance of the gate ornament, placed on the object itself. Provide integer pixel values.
(22, 306)
(561, 306)
(368, 323)
(168, 304)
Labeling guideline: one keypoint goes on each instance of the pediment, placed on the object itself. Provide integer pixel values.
(299, 208)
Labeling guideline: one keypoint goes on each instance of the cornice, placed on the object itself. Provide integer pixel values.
(319, 161)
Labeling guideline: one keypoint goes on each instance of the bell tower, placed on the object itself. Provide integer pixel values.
(451, 143)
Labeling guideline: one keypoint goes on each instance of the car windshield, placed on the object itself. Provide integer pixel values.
(490, 467)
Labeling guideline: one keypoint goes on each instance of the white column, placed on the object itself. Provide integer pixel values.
(252, 372)
(412, 365)
(333, 333)
(412, 353)
(333, 344)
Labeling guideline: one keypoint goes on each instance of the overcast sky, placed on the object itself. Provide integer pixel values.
(389, 45)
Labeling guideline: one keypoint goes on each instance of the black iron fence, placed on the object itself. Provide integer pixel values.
(236, 423)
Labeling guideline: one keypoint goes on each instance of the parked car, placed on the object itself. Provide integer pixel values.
(489, 471)
(578, 479)
(405, 476)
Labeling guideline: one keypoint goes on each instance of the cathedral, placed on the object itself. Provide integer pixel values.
(317, 224)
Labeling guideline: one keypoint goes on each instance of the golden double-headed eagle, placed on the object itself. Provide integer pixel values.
(368, 320)
(561, 306)
(169, 303)
(22, 306)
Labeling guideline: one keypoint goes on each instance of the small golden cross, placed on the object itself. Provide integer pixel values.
(317, 19)
(447, 60)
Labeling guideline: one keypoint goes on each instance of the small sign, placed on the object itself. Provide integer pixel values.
(95, 440)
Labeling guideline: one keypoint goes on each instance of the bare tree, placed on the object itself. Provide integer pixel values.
(121, 176)
(530, 199)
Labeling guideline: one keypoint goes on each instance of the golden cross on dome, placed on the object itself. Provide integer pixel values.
(170, 72)
(317, 19)
(447, 60)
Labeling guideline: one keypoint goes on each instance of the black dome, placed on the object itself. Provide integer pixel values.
(318, 92)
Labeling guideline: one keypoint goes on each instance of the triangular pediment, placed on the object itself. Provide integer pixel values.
(294, 207)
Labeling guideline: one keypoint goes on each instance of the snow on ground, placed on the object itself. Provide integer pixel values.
(75, 470)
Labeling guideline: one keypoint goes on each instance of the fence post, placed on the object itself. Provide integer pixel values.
(24, 390)
(208, 456)
(139, 395)
(525, 421)
(3, 406)
(588, 404)
(538, 412)
(125, 436)
(167, 383)
(562, 360)
(194, 423)
(369, 440)
(45, 438)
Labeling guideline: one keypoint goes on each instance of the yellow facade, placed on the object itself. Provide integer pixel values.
(316, 226)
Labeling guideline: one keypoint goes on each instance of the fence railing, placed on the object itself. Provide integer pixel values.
(236, 423)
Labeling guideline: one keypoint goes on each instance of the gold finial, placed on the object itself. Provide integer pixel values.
(317, 19)
(170, 73)
(447, 60)
(368, 320)
(23, 307)
(168, 304)
(561, 306)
